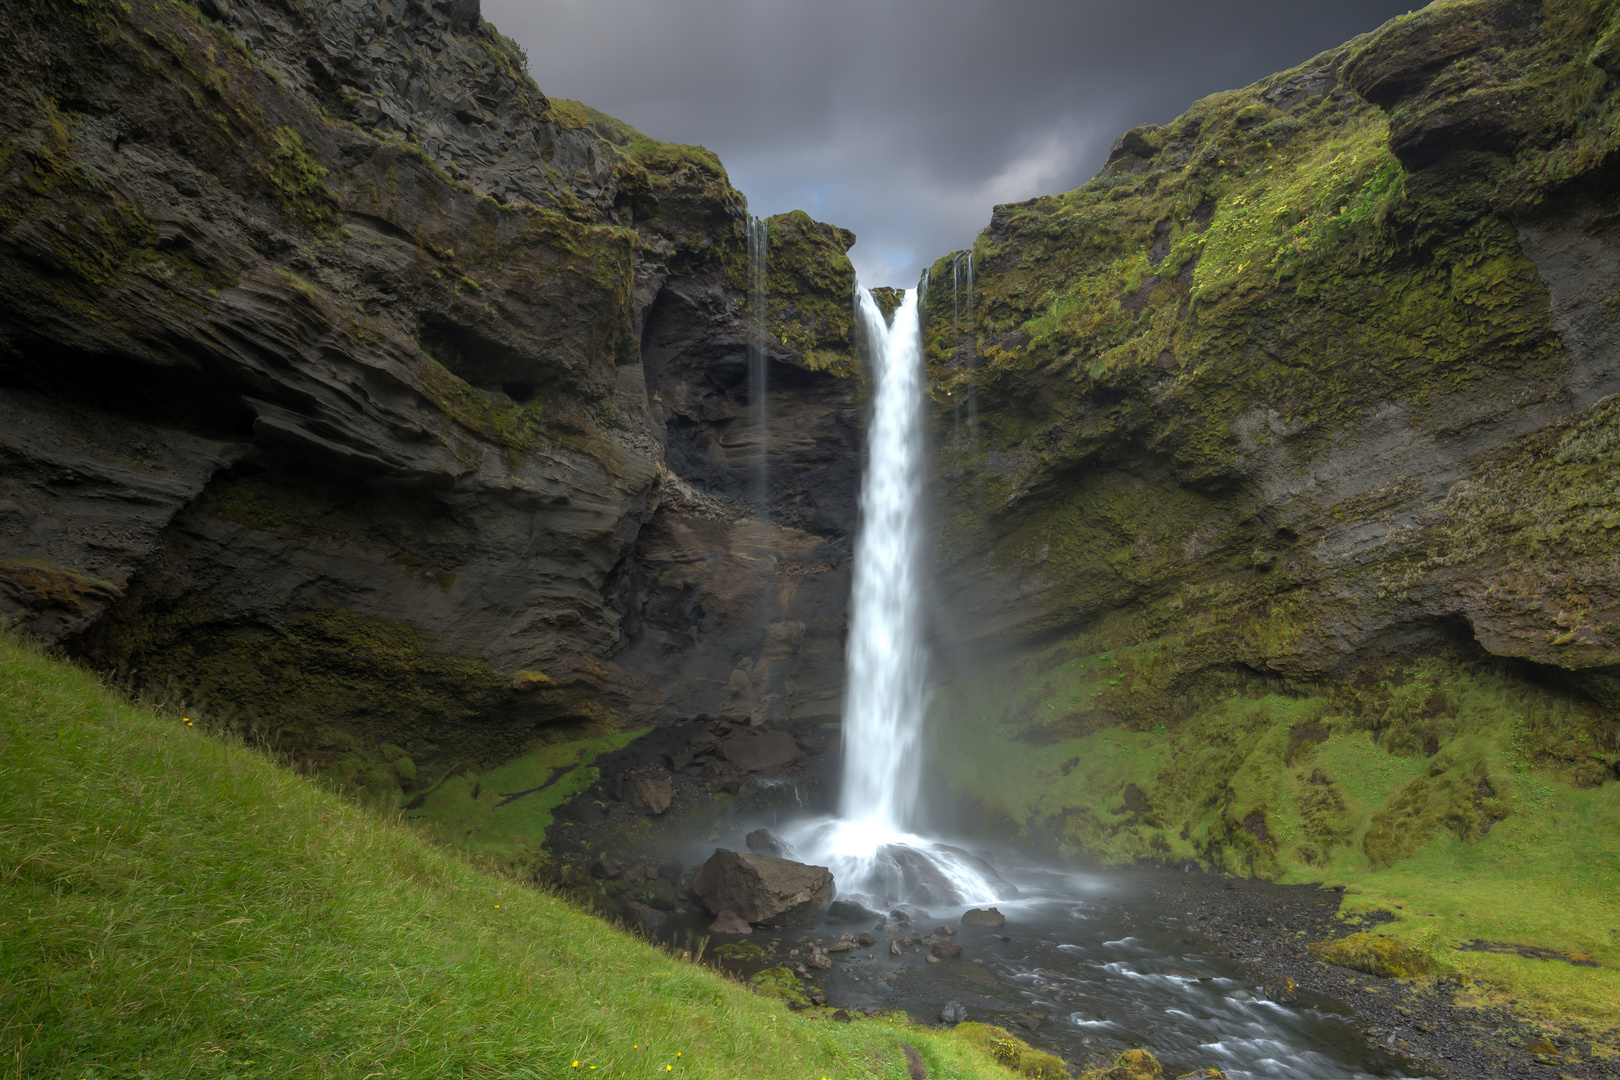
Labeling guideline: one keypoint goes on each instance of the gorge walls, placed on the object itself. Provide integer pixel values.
(1288, 439)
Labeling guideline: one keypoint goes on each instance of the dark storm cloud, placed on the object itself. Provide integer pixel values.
(907, 120)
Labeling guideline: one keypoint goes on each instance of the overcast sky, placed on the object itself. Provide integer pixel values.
(907, 120)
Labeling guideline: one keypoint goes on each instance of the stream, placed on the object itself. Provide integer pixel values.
(1100, 962)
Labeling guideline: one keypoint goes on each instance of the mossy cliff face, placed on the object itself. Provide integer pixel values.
(1284, 449)
(320, 362)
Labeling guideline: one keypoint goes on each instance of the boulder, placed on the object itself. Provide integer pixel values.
(983, 917)
(650, 919)
(648, 790)
(953, 1013)
(946, 950)
(762, 752)
(729, 922)
(763, 888)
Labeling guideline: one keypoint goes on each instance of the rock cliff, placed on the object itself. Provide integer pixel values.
(1306, 399)
(326, 402)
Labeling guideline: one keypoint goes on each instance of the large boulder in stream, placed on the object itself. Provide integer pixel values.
(763, 888)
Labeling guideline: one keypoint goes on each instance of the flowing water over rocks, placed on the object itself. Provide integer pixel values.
(1087, 964)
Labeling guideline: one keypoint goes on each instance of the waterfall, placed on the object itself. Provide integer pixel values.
(870, 849)
(887, 666)
(759, 240)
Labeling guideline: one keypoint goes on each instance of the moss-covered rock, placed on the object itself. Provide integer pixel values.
(1375, 954)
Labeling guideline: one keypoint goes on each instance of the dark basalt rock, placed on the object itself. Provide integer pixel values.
(983, 917)
(763, 889)
(840, 912)
(765, 842)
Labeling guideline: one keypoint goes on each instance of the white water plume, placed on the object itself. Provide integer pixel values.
(870, 850)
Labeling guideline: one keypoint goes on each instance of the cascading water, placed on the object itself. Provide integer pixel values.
(870, 850)
(884, 702)
(759, 240)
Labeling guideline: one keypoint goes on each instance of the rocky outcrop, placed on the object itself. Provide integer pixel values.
(324, 401)
(763, 889)
(1316, 380)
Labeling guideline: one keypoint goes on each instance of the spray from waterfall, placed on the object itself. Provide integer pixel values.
(758, 388)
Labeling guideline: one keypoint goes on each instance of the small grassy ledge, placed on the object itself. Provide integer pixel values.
(178, 906)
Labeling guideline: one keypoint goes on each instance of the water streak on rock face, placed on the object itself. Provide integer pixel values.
(759, 242)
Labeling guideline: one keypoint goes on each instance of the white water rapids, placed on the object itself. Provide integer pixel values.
(870, 849)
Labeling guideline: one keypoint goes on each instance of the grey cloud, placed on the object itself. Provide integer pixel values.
(907, 120)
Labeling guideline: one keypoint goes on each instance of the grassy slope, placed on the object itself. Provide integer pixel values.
(174, 905)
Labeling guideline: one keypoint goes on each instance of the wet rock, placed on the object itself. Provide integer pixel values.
(729, 922)
(894, 947)
(1282, 991)
(818, 960)
(932, 959)
(607, 868)
(765, 842)
(840, 1015)
(954, 1012)
(650, 919)
(983, 917)
(849, 911)
(1030, 1023)
(842, 946)
(762, 888)
(947, 950)
(866, 941)
(1004, 889)
(949, 931)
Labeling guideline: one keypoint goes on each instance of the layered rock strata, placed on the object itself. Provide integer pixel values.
(324, 400)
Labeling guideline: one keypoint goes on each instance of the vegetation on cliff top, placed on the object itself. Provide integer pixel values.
(177, 905)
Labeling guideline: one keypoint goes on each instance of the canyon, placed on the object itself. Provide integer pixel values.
(398, 418)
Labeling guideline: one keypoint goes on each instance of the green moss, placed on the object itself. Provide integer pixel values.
(1375, 954)
(1440, 780)
(324, 689)
(780, 983)
(504, 812)
(298, 178)
(1012, 1053)
(810, 285)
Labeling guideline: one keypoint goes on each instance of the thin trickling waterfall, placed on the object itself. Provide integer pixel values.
(758, 375)
(872, 850)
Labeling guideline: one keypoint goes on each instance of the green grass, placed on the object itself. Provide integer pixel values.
(476, 811)
(177, 906)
